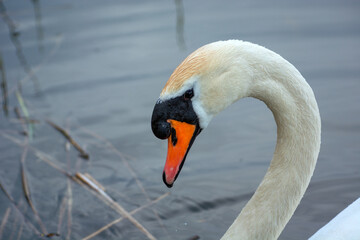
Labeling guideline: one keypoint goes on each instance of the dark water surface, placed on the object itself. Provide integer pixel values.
(99, 66)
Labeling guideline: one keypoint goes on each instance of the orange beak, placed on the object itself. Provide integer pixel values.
(180, 140)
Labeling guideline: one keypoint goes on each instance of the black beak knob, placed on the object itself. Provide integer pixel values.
(161, 129)
(159, 125)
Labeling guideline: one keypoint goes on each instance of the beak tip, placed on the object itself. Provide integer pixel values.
(169, 185)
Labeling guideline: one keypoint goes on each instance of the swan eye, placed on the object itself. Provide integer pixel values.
(189, 94)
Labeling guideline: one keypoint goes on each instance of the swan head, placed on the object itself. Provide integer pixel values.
(200, 87)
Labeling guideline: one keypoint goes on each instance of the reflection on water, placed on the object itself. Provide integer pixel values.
(39, 28)
(3, 87)
(101, 68)
(14, 36)
(180, 24)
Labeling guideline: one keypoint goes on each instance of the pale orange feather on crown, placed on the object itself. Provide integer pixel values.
(195, 64)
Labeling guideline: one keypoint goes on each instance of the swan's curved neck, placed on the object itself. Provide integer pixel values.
(296, 113)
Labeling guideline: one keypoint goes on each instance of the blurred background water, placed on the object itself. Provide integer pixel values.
(96, 68)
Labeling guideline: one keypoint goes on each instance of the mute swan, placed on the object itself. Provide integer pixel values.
(212, 78)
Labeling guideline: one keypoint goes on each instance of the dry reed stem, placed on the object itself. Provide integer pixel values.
(69, 191)
(104, 197)
(40, 154)
(46, 158)
(13, 34)
(13, 227)
(83, 154)
(131, 170)
(22, 105)
(93, 185)
(9, 131)
(4, 220)
(111, 202)
(27, 191)
(20, 231)
(11, 199)
(13, 139)
(122, 218)
(70, 200)
(117, 207)
(35, 69)
(61, 214)
(19, 205)
(114, 205)
(26, 114)
(106, 142)
(94, 181)
(18, 115)
(23, 120)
